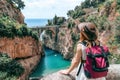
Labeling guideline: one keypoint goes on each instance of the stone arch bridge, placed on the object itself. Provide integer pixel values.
(41, 29)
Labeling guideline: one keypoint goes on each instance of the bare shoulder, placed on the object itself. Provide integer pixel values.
(79, 47)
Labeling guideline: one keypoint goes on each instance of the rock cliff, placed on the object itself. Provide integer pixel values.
(29, 64)
(8, 9)
(113, 74)
(20, 47)
(61, 41)
(26, 50)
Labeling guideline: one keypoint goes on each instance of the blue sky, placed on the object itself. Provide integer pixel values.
(48, 8)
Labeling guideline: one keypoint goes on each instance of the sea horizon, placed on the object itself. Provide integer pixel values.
(34, 22)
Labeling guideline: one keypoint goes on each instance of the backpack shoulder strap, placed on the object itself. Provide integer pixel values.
(79, 68)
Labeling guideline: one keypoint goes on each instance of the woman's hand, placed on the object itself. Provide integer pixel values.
(66, 71)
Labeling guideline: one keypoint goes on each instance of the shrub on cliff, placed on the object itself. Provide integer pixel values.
(91, 3)
(82, 19)
(9, 68)
(34, 35)
(118, 5)
(114, 58)
(117, 31)
(75, 38)
(101, 22)
(117, 35)
(78, 12)
(10, 28)
(49, 32)
(107, 6)
(71, 24)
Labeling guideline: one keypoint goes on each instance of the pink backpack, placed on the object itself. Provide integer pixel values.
(96, 64)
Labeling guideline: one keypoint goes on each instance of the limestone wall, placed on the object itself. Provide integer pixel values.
(20, 47)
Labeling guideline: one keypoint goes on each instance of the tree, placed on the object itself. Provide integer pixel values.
(78, 13)
(49, 22)
(60, 20)
(70, 13)
(78, 8)
(18, 3)
(91, 3)
(94, 3)
(86, 4)
(55, 19)
(71, 24)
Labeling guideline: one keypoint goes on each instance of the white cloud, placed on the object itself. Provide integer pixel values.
(48, 8)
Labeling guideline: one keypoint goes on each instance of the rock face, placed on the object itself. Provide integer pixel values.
(9, 10)
(26, 49)
(29, 64)
(20, 47)
(60, 41)
(58, 76)
(114, 74)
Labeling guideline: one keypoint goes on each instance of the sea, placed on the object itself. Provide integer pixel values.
(36, 22)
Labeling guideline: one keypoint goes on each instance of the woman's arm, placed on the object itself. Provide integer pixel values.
(75, 61)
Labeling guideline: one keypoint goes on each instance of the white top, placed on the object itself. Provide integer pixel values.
(81, 75)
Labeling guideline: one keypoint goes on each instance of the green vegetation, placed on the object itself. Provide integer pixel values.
(10, 69)
(91, 3)
(75, 38)
(107, 6)
(101, 22)
(71, 24)
(118, 5)
(114, 58)
(49, 32)
(56, 21)
(62, 33)
(19, 4)
(115, 40)
(82, 19)
(117, 36)
(117, 31)
(77, 12)
(10, 28)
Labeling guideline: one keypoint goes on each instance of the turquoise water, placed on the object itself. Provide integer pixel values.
(36, 22)
(51, 62)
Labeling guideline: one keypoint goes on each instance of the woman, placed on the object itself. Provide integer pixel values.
(91, 39)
